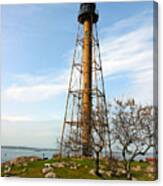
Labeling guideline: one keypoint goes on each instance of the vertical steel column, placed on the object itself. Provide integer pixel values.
(87, 85)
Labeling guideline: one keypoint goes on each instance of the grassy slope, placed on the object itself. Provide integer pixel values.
(34, 170)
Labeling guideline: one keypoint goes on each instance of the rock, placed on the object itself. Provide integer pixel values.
(6, 166)
(32, 160)
(23, 159)
(134, 179)
(19, 165)
(66, 164)
(25, 164)
(92, 172)
(150, 169)
(120, 171)
(101, 171)
(78, 165)
(47, 169)
(50, 175)
(136, 168)
(123, 172)
(58, 165)
(24, 170)
(102, 167)
(7, 171)
(73, 167)
(108, 173)
(47, 165)
(119, 164)
(151, 176)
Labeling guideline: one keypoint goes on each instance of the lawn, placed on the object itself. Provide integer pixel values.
(76, 168)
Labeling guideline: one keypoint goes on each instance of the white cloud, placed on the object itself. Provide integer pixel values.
(33, 93)
(15, 118)
(33, 88)
(49, 77)
(130, 53)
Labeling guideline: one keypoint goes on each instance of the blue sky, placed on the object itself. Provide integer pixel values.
(37, 46)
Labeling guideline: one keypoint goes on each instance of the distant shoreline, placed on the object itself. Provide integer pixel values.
(27, 148)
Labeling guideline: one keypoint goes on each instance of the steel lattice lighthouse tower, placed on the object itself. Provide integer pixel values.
(86, 111)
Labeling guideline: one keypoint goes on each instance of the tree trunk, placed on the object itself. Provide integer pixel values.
(127, 164)
(97, 163)
(128, 170)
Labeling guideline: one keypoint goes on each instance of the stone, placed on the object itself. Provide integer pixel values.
(66, 164)
(25, 164)
(102, 167)
(123, 171)
(23, 159)
(120, 171)
(50, 175)
(150, 169)
(92, 172)
(101, 171)
(136, 168)
(7, 171)
(58, 165)
(32, 160)
(134, 179)
(6, 166)
(119, 164)
(78, 165)
(24, 170)
(73, 167)
(47, 165)
(151, 176)
(47, 169)
(108, 173)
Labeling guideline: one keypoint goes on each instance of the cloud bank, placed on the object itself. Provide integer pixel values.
(128, 51)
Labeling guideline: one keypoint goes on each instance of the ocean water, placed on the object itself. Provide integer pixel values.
(10, 153)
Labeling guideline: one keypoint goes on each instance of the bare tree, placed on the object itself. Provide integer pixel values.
(133, 130)
(97, 145)
(98, 136)
(72, 144)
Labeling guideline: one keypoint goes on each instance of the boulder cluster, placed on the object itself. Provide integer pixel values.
(19, 162)
(49, 168)
(48, 171)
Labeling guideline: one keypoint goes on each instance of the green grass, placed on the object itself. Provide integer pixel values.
(34, 170)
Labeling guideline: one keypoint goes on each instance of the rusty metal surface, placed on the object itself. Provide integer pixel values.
(87, 85)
